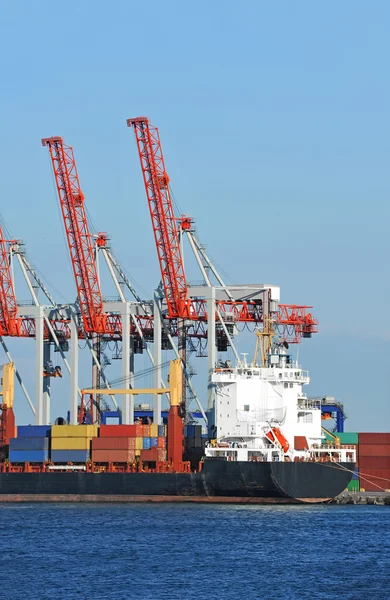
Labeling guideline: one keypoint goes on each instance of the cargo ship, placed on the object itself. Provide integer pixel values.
(264, 445)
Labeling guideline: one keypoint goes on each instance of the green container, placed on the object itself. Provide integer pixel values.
(348, 438)
(354, 485)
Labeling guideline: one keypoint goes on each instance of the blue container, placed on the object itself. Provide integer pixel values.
(65, 456)
(146, 443)
(161, 431)
(23, 456)
(27, 443)
(189, 431)
(34, 431)
(153, 442)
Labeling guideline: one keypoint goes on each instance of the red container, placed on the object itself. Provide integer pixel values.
(149, 455)
(378, 480)
(374, 462)
(154, 455)
(374, 438)
(113, 443)
(137, 429)
(146, 432)
(161, 442)
(115, 456)
(374, 450)
(121, 430)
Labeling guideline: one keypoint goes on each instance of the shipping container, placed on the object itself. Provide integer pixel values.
(139, 443)
(113, 443)
(161, 442)
(153, 442)
(194, 442)
(354, 485)
(29, 443)
(162, 431)
(374, 462)
(146, 433)
(154, 431)
(34, 431)
(348, 438)
(71, 443)
(135, 430)
(189, 431)
(75, 431)
(374, 438)
(375, 480)
(73, 456)
(146, 443)
(153, 455)
(374, 450)
(114, 456)
(32, 456)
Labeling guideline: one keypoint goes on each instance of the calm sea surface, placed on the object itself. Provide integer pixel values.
(90, 551)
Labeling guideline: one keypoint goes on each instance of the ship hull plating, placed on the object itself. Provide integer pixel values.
(219, 481)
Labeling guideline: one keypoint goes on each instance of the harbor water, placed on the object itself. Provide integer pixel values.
(171, 551)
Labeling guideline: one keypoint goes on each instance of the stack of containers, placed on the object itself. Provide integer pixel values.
(194, 444)
(126, 443)
(193, 436)
(374, 461)
(154, 444)
(31, 445)
(72, 443)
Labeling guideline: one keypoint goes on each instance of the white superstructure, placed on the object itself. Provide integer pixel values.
(262, 413)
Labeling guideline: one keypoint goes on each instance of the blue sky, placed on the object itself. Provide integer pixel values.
(274, 119)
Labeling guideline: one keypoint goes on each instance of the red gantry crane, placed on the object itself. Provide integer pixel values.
(96, 322)
(293, 319)
(78, 236)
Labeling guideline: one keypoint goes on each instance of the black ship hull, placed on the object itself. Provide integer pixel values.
(219, 481)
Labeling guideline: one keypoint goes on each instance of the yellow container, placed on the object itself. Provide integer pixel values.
(74, 431)
(138, 452)
(71, 443)
(154, 430)
(139, 443)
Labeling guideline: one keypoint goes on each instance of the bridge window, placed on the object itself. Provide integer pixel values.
(305, 417)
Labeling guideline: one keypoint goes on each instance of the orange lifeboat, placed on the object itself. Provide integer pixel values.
(275, 434)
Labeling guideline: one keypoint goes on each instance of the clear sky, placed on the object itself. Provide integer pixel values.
(274, 118)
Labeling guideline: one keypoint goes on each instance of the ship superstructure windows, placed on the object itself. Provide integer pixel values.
(305, 417)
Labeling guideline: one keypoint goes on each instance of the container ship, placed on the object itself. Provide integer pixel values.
(264, 445)
(264, 441)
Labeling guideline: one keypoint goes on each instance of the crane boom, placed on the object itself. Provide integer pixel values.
(156, 181)
(78, 235)
(9, 323)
